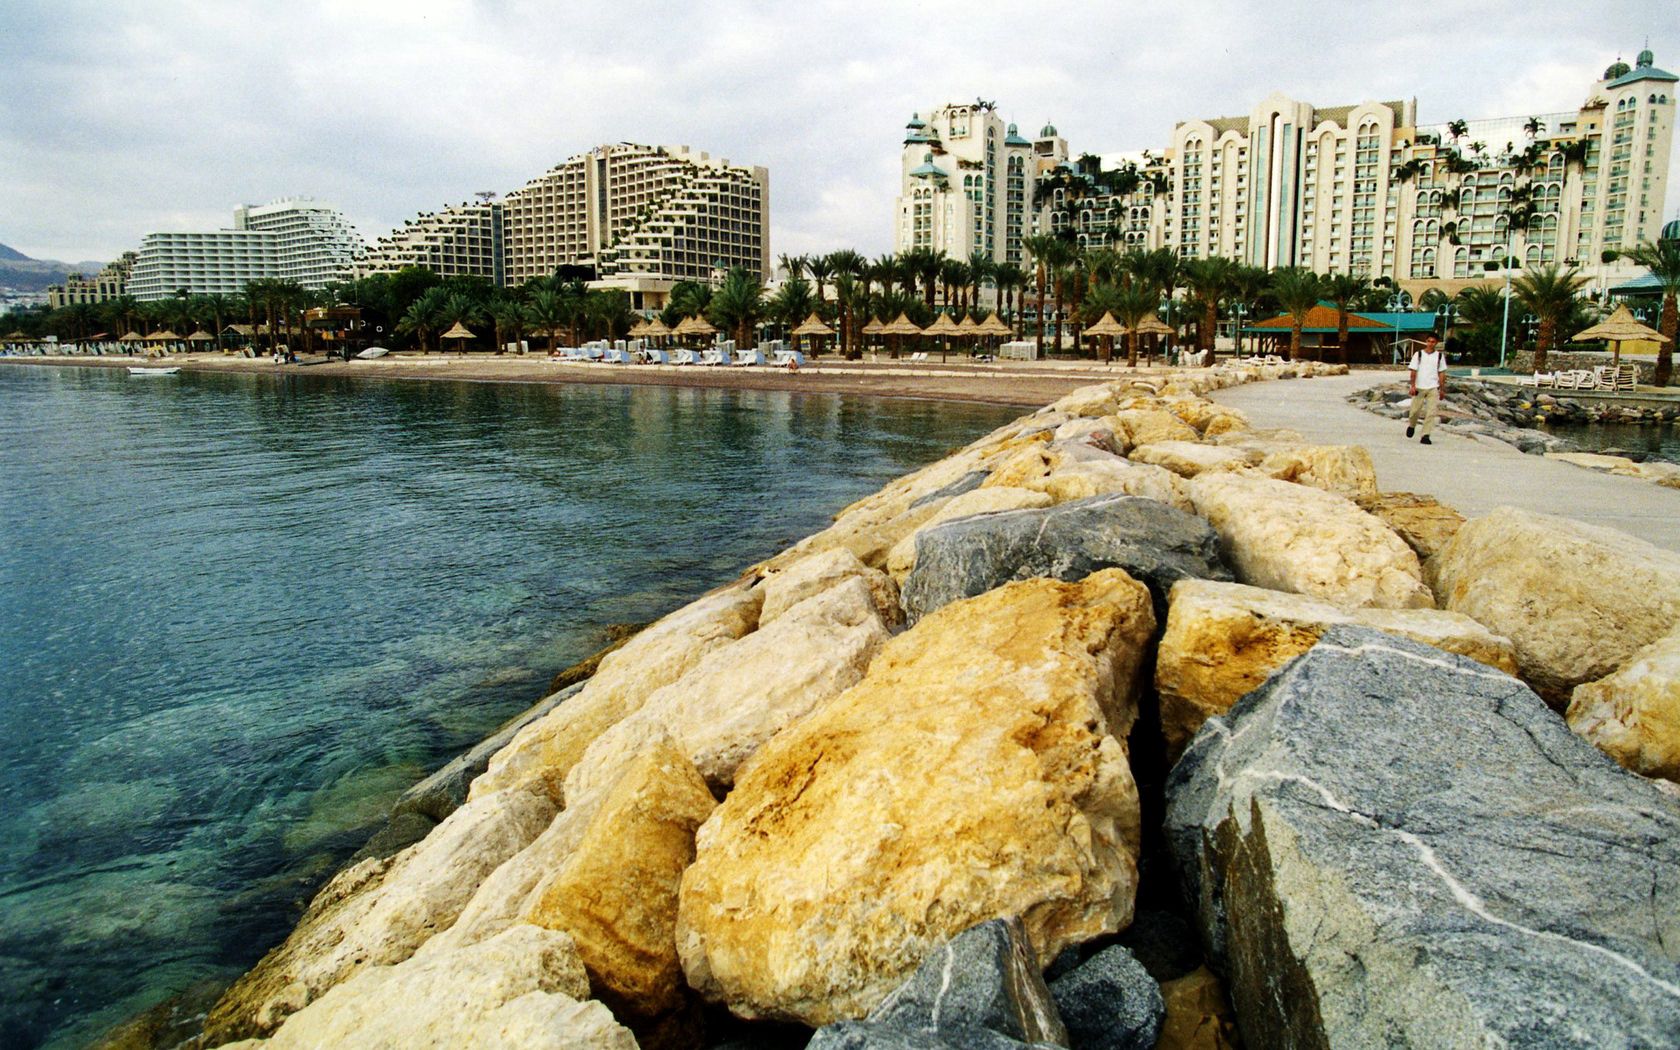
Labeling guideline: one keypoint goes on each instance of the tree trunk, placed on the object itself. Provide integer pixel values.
(1059, 288)
(1548, 329)
(1041, 312)
(1210, 321)
(1295, 340)
(1131, 348)
(1665, 351)
(1342, 332)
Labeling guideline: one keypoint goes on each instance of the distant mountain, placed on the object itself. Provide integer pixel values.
(19, 271)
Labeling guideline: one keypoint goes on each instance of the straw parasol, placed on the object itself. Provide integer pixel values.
(1620, 327)
(695, 326)
(201, 336)
(458, 332)
(812, 326)
(874, 327)
(901, 326)
(993, 325)
(165, 336)
(638, 330)
(1153, 325)
(1108, 327)
(944, 328)
(131, 337)
(655, 328)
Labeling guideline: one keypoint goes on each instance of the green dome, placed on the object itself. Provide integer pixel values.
(1048, 132)
(916, 121)
(1618, 69)
(1670, 231)
(1014, 137)
(1645, 59)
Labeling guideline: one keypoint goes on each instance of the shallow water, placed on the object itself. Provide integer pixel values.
(242, 613)
(1656, 440)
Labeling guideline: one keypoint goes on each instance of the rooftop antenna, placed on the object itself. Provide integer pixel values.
(486, 195)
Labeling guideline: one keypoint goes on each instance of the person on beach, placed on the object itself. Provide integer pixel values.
(1428, 386)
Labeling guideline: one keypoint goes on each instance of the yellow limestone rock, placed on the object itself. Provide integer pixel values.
(616, 892)
(1069, 472)
(1230, 423)
(817, 573)
(1345, 470)
(1425, 523)
(545, 751)
(1222, 640)
(523, 988)
(1288, 537)
(1199, 1015)
(1634, 714)
(379, 912)
(1189, 458)
(1095, 400)
(1577, 600)
(902, 558)
(976, 772)
(740, 696)
(1146, 426)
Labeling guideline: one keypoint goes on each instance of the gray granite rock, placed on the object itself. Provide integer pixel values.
(1387, 845)
(444, 791)
(1157, 544)
(967, 483)
(869, 1035)
(985, 977)
(1110, 1002)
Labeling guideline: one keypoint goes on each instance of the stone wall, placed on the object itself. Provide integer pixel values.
(1522, 362)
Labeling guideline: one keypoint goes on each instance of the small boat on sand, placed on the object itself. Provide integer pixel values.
(372, 352)
(136, 370)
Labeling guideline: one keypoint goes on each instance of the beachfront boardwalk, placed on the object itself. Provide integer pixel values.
(1471, 474)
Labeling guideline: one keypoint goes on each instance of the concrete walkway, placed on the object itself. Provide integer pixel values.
(1469, 473)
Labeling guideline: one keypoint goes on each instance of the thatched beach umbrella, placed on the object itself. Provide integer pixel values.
(695, 325)
(458, 332)
(1153, 325)
(1620, 327)
(1107, 328)
(901, 326)
(810, 327)
(944, 328)
(201, 336)
(638, 330)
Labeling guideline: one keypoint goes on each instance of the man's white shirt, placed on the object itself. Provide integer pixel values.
(1428, 367)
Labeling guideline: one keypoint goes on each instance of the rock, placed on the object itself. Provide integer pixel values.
(1576, 600)
(522, 988)
(1198, 1015)
(902, 558)
(1110, 1003)
(1425, 523)
(1163, 943)
(1595, 461)
(967, 483)
(985, 977)
(1095, 400)
(1222, 640)
(1067, 472)
(1147, 426)
(817, 573)
(615, 893)
(398, 833)
(1633, 715)
(1345, 470)
(861, 837)
(545, 751)
(1389, 846)
(616, 635)
(866, 1035)
(444, 791)
(1296, 538)
(380, 911)
(1150, 540)
(1189, 458)
(1088, 431)
(740, 696)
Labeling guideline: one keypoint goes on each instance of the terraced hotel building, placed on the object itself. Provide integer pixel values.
(644, 217)
(459, 241)
(295, 240)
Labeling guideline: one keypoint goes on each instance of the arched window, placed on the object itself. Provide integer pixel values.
(1461, 262)
(1532, 254)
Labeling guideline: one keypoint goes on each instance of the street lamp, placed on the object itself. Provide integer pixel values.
(1445, 314)
(1505, 324)
(1241, 311)
(1398, 303)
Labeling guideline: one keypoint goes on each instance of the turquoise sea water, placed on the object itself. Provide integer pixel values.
(1656, 440)
(240, 614)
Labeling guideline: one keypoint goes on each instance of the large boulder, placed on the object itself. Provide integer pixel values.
(1424, 522)
(1223, 639)
(1391, 846)
(1150, 540)
(544, 752)
(615, 893)
(1633, 715)
(976, 772)
(1109, 1002)
(817, 573)
(523, 988)
(738, 697)
(1189, 458)
(1289, 537)
(1147, 426)
(1577, 600)
(379, 911)
(902, 558)
(1345, 470)
(1073, 471)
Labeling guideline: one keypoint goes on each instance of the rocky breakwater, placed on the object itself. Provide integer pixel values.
(903, 782)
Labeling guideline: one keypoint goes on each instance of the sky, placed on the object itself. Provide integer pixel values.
(121, 117)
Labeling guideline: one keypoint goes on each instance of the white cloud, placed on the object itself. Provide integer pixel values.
(119, 119)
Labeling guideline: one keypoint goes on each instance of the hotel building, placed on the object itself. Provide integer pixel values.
(109, 283)
(294, 240)
(460, 241)
(1363, 188)
(644, 217)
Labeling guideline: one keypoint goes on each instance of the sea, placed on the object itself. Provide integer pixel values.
(240, 614)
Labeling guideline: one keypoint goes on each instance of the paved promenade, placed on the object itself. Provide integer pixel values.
(1471, 474)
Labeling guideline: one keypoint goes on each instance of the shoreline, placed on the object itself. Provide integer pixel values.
(1025, 385)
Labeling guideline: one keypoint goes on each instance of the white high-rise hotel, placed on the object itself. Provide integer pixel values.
(1362, 189)
(295, 240)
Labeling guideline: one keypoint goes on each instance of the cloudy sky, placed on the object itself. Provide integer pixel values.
(120, 117)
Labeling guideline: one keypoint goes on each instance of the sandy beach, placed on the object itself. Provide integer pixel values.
(1004, 383)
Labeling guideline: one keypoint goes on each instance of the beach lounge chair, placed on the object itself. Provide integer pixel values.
(616, 356)
(749, 358)
(1627, 377)
(784, 357)
(920, 355)
(684, 357)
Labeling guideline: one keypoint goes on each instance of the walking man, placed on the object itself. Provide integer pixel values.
(1428, 387)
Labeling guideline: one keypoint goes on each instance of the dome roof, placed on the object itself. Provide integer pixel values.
(1048, 132)
(1617, 69)
(915, 135)
(1645, 59)
(928, 170)
(916, 121)
(1670, 231)
(1014, 137)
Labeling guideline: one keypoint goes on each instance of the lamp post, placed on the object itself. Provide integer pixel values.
(1397, 304)
(1241, 311)
(1445, 314)
(1505, 325)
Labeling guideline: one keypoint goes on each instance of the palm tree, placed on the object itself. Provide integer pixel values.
(1131, 304)
(928, 265)
(820, 270)
(791, 304)
(1663, 260)
(1533, 126)
(793, 266)
(845, 260)
(980, 270)
(1064, 258)
(1248, 285)
(421, 317)
(953, 275)
(1209, 280)
(1548, 292)
(1297, 290)
(1043, 248)
(1010, 279)
(545, 312)
(1458, 129)
(738, 305)
(1343, 289)
(509, 318)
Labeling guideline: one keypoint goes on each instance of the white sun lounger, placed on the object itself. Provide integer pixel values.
(783, 357)
(749, 358)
